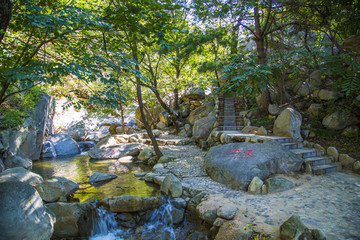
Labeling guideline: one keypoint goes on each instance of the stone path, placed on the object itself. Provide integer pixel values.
(330, 203)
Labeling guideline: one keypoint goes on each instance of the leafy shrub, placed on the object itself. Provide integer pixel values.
(12, 118)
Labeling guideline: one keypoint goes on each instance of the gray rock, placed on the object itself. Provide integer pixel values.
(255, 185)
(326, 95)
(165, 118)
(233, 230)
(303, 89)
(115, 152)
(121, 204)
(185, 112)
(178, 202)
(292, 228)
(72, 219)
(54, 188)
(177, 215)
(207, 212)
(23, 214)
(146, 154)
(332, 151)
(149, 177)
(86, 145)
(219, 221)
(172, 186)
(159, 179)
(278, 184)
(316, 78)
(203, 127)
(161, 126)
(101, 177)
(195, 201)
(274, 109)
(256, 159)
(2, 166)
(22, 175)
(288, 124)
(356, 166)
(227, 211)
(315, 109)
(200, 112)
(339, 120)
(195, 93)
(48, 150)
(16, 161)
(197, 236)
(346, 161)
(166, 159)
(64, 145)
(126, 220)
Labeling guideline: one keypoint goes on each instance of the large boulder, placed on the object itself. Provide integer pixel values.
(203, 127)
(72, 219)
(22, 175)
(195, 93)
(54, 188)
(23, 214)
(165, 118)
(288, 124)
(64, 145)
(16, 161)
(200, 112)
(340, 120)
(115, 152)
(303, 88)
(131, 203)
(236, 164)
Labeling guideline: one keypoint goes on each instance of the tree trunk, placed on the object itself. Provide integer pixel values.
(261, 54)
(122, 116)
(5, 16)
(141, 107)
(173, 117)
(176, 90)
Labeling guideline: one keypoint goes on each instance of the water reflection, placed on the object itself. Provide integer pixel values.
(79, 168)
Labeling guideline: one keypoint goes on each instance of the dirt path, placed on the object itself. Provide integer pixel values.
(330, 203)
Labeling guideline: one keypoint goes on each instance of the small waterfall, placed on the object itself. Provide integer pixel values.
(160, 226)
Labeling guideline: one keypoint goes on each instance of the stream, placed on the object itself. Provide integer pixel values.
(79, 168)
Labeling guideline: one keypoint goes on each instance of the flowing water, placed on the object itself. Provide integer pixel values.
(79, 168)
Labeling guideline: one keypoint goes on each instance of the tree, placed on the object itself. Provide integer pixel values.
(5, 16)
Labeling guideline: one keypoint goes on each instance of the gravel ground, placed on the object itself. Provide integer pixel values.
(330, 203)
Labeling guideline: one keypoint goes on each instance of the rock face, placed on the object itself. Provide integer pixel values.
(339, 120)
(278, 184)
(171, 186)
(22, 175)
(288, 124)
(236, 164)
(72, 219)
(115, 152)
(52, 189)
(203, 127)
(101, 177)
(131, 203)
(23, 214)
(200, 112)
(16, 161)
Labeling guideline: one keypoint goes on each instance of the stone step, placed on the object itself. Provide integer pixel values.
(308, 152)
(229, 128)
(284, 140)
(316, 161)
(324, 169)
(292, 145)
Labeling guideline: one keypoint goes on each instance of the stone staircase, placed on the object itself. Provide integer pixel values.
(229, 118)
(315, 158)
